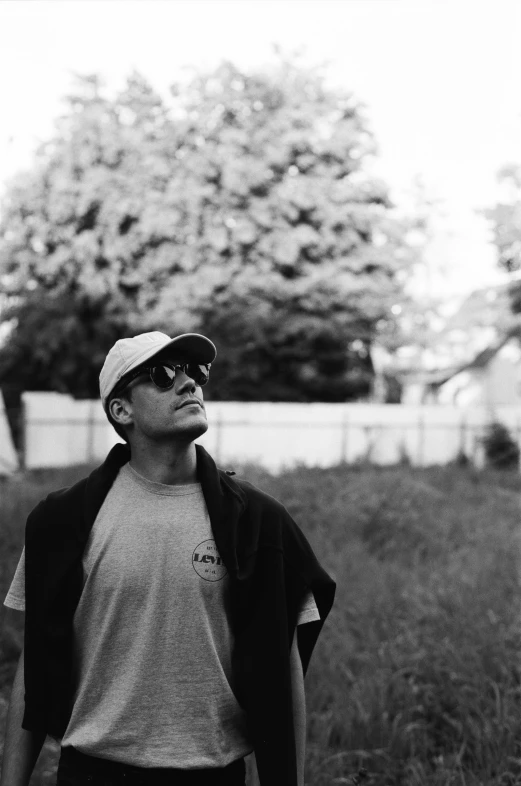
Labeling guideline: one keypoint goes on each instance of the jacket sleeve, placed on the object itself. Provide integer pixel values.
(34, 713)
(307, 575)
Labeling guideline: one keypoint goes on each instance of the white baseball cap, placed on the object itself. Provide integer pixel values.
(128, 353)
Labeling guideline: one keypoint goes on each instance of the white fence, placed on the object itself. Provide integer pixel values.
(60, 431)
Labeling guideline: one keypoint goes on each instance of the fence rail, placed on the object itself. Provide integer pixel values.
(58, 431)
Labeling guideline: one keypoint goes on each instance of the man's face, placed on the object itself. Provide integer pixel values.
(165, 415)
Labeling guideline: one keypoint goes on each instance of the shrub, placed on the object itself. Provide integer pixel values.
(501, 450)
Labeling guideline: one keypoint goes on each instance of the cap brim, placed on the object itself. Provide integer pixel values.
(193, 346)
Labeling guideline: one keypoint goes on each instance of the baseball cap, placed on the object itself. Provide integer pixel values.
(128, 353)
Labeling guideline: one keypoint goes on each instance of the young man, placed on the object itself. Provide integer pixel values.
(170, 610)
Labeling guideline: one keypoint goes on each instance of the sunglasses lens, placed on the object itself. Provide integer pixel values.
(199, 373)
(162, 376)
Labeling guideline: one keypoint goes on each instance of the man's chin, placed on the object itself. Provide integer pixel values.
(193, 430)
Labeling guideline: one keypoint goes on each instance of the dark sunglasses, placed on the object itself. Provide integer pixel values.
(163, 374)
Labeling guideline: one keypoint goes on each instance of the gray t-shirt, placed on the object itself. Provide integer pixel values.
(152, 633)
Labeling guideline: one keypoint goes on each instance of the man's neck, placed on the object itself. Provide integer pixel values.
(172, 464)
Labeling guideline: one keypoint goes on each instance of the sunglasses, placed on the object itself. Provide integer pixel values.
(163, 374)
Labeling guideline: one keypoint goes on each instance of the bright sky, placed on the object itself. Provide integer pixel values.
(439, 78)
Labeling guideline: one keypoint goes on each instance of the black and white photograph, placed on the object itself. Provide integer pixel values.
(260, 392)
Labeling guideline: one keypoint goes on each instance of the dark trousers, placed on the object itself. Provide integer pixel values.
(78, 769)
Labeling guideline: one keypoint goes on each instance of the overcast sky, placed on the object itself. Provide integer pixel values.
(440, 81)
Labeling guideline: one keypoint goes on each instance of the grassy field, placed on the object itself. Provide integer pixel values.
(416, 676)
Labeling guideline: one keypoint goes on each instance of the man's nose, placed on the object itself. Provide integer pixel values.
(183, 383)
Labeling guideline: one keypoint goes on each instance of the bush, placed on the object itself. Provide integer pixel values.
(501, 450)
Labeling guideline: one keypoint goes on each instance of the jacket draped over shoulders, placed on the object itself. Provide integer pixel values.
(271, 566)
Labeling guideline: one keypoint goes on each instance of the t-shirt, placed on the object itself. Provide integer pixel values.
(153, 683)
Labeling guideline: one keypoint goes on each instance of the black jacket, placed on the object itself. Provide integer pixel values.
(270, 563)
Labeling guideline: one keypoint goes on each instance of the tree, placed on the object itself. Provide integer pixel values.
(244, 208)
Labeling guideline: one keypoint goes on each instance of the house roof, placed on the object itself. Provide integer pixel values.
(437, 377)
(484, 315)
(481, 360)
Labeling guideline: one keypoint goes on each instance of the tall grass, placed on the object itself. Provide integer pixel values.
(416, 676)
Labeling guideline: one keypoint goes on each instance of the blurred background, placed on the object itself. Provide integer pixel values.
(331, 191)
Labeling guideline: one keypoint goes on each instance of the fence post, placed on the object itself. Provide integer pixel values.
(421, 440)
(90, 434)
(369, 443)
(344, 442)
(22, 452)
(463, 436)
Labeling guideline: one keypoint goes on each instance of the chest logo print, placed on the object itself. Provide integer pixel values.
(207, 563)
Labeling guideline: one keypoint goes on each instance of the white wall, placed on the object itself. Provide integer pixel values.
(61, 431)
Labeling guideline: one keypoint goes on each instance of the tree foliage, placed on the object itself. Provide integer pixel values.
(243, 208)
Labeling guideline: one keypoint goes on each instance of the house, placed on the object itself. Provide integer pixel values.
(490, 379)
(475, 359)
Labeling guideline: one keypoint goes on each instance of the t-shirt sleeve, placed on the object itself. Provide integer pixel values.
(308, 610)
(15, 598)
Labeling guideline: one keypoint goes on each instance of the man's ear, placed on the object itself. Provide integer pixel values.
(121, 410)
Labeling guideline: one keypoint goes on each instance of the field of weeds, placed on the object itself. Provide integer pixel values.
(416, 678)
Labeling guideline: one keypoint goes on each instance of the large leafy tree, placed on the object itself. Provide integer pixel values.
(244, 208)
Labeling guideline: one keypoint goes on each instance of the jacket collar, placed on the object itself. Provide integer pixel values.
(224, 498)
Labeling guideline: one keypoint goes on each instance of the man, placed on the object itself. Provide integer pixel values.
(162, 602)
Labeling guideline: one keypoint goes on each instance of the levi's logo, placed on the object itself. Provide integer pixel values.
(207, 563)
